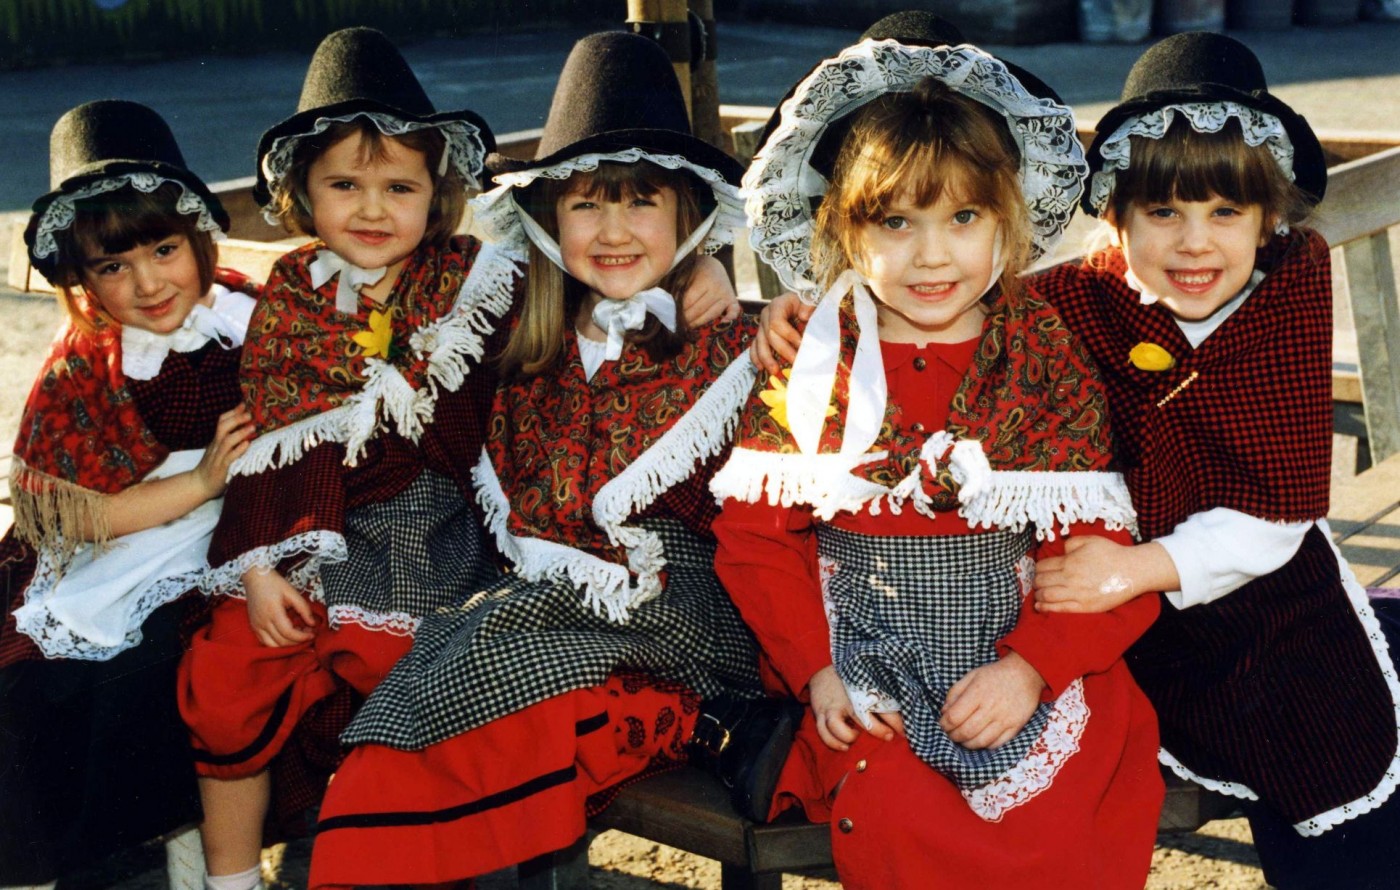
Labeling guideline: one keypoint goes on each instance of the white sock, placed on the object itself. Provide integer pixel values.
(184, 861)
(244, 880)
(49, 886)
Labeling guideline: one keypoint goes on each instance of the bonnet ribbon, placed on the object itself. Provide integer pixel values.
(328, 264)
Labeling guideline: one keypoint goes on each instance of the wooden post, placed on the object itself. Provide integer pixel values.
(668, 23)
(704, 84)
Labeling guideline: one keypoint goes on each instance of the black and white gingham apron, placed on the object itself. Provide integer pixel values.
(518, 642)
(410, 554)
(911, 615)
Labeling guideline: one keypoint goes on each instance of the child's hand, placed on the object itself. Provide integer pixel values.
(710, 295)
(775, 344)
(990, 704)
(270, 598)
(231, 438)
(836, 717)
(1096, 575)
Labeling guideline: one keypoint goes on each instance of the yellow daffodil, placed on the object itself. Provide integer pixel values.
(1151, 357)
(776, 399)
(376, 340)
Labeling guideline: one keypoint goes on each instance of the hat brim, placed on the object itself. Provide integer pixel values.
(657, 142)
(1309, 161)
(109, 169)
(304, 123)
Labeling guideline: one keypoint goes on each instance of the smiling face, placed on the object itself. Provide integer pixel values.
(372, 210)
(929, 267)
(151, 286)
(617, 248)
(1195, 256)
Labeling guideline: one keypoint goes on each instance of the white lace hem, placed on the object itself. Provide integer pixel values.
(1258, 128)
(398, 624)
(499, 222)
(450, 345)
(1035, 772)
(1325, 821)
(781, 181)
(318, 547)
(60, 213)
(464, 147)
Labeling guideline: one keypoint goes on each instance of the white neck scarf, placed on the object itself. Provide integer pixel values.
(617, 317)
(143, 352)
(328, 264)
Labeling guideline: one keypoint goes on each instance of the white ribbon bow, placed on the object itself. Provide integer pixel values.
(617, 317)
(143, 352)
(328, 264)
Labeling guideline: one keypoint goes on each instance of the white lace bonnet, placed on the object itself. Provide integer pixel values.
(782, 182)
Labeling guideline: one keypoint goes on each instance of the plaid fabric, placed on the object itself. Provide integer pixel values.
(911, 615)
(1275, 686)
(1253, 431)
(408, 555)
(517, 643)
(181, 405)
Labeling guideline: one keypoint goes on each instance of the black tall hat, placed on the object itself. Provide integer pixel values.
(99, 146)
(618, 91)
(359, 71)
(1202, 67)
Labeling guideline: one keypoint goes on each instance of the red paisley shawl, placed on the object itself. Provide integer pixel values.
(301, 359)
(1031, 397)
(555, 439)
(81, 436)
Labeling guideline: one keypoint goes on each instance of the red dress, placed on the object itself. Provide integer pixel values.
(521, 710)
(1092, 826)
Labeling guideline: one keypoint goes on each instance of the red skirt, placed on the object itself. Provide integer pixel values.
(497, 795)
(899, 823)
(241, 699)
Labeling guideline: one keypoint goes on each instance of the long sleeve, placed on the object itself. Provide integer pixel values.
(1064, 647)
(1218, 551)
(767, 560)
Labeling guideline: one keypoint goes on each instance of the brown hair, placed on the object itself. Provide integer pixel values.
(552, 297)
(917, 145)
(291, 204)
(1189, 166)
(115, 222)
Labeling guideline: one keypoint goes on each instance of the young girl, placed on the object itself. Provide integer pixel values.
(518, 709)
(117, 473)
(1211, 319)
(938, 430)
(348, 517)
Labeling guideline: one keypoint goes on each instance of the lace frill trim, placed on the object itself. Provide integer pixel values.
(317, 547)
(465, 148)
(399, 624)
(1325, 821)
(607, 587)
(780, 183)
(1010, 499)
(60, 213)
(56, 640)
(1035, 772)
(1258, 128)
(499, 223)
(450, 345)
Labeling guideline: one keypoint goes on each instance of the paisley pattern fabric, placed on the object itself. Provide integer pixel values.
(1031, 397)
(556, 439)
(301, 358)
